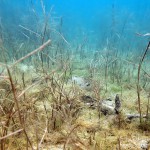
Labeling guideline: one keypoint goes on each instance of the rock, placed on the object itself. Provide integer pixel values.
(80, 82)
(88, 100)
(147, 116)
(25, 68)
(107, 107)
(137, 144)
(144, 145)
(134, 116)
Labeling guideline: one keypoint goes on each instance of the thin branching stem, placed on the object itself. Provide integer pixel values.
(138, 80)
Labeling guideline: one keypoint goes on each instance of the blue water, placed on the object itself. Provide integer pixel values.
(100, 23)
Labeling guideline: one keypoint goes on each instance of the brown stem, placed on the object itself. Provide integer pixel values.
(33, 52)
(138, 78)
(17, 105)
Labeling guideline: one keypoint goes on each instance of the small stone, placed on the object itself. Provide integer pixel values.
(80, 81)
(107, 107)
(144, 145)
(89, 101)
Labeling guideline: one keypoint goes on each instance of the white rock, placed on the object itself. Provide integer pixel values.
(144, 145)
(107, 107)
(80, 81)
(25, 68)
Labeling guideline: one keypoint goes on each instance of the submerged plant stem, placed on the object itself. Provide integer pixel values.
(33, 52)
(138, 83)
(17, 105)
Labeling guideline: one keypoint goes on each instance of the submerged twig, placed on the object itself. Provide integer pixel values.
(147, 34)
(61, 36)
(37, 34)
(33, 52)
(17, 106)
(4, 137)
(45, 131)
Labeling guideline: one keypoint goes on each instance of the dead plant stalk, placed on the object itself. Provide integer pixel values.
(138, 80)
(31, 53)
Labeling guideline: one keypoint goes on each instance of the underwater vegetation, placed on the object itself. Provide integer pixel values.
(74, 75)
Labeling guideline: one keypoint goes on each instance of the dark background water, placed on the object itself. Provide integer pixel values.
(98, 23)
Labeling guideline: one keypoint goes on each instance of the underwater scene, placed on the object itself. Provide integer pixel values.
(74, 74)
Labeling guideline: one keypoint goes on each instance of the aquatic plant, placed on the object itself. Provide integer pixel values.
(138, 83)
(42, 106)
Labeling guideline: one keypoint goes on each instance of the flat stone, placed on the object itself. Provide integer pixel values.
(144, 145)
(80, 81)
(107, 107)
